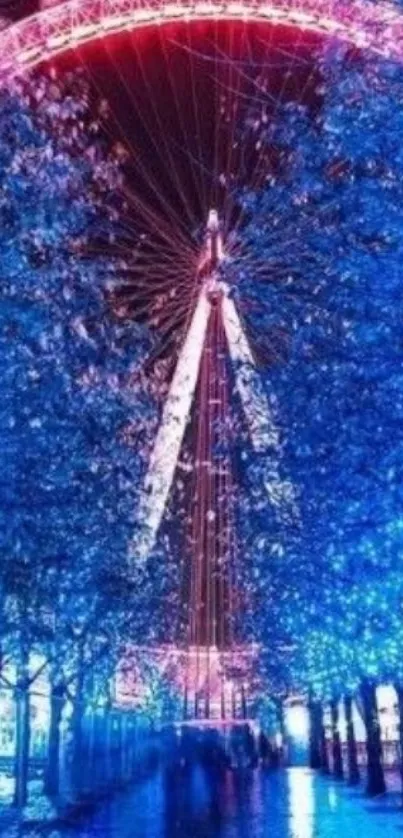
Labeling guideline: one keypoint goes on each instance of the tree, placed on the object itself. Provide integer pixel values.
(322, 244)
(77, 411)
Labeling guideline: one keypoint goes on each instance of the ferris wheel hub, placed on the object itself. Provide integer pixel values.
(215, 290)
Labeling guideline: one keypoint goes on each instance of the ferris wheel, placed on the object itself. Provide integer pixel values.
(214, 294)
(182, 79)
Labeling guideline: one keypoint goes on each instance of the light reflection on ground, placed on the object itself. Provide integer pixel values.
(284, 804)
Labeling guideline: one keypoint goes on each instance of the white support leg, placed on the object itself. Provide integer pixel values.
(170, 435)
(259, 416)
(263, 431)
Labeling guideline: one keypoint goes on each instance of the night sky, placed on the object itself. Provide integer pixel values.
(179, 96)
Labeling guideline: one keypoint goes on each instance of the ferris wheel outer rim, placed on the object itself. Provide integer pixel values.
(60, 27)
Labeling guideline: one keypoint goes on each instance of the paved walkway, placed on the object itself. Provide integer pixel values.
(287, 804)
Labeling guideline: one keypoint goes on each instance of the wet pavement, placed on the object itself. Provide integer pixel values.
(293, 803)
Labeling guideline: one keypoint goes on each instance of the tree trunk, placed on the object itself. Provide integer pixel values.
(77, 745)
(23, 736)
(324, 756)
(115, 739)
(123, 749)
(132, 745)
(98, 768)
(352, 760)
(108, 747)
(315, 732)
(375, 776)
(52, 770)
(90, 751)
(336, 741)
(399, 692)
(185, 704)
(244, 703)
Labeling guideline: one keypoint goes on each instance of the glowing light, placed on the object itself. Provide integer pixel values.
(205, 8)
(54, 29)
(388, 714)
(86, 30)
(297, 722)
(236, 9)
(57, 41)
(173, 10)
(302, 803)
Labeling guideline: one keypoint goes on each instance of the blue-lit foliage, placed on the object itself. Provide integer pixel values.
(76, 413)
(324, 240)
